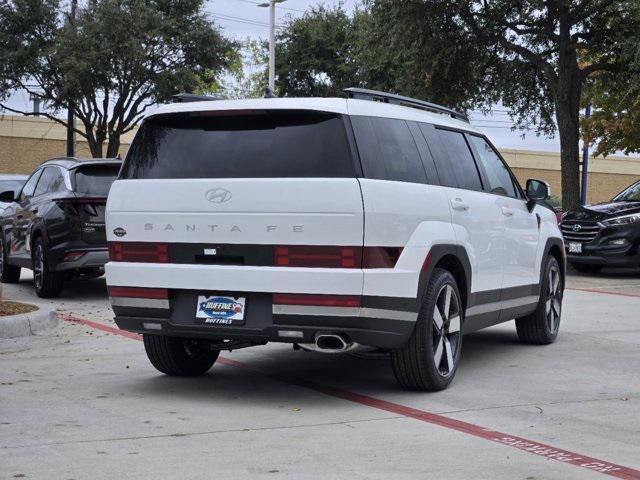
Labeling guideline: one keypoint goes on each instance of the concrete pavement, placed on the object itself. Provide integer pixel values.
(84, 404)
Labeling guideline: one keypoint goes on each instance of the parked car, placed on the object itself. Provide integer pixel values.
(328, 223)
(10, 182)
(605, 234)
(54, 225)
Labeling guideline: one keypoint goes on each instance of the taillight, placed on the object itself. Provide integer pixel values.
(145, 252)
(138, 292)
(76, 204)
(318, 257)
(317, 300)
(336, 257)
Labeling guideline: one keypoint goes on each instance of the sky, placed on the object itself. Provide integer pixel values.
(244, 18)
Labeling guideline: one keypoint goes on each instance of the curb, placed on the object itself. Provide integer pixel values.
(27, 324)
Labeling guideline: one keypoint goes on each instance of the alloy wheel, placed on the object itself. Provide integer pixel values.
(446, 330)
(38, 267)
(553, 304)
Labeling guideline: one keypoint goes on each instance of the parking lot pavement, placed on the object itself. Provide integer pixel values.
(85, 404)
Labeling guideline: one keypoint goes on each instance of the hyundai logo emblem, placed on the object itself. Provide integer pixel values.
(218, 195)
(577, 228)
(119, 232)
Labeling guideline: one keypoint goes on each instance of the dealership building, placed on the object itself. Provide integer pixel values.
(25, 142)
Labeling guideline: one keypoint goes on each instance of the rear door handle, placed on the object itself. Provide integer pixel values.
(459, 204)
(507, 212)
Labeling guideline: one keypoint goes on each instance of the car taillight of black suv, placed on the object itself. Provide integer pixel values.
(606, 234)
(55, 224)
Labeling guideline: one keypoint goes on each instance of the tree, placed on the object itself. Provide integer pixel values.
(314, 54)
(615, 98)
(110, 63)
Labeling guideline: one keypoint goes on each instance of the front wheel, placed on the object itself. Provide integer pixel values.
(429, 361)
(47, 282)
(541, 327)
(180, 357)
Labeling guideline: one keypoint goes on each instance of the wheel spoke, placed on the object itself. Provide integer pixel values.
(447, 302)
(437, 317)
(437, 356)
(550, 282)
(449, 350)
(454, 324)
(555, 304)
(556, 281)
(552, 322)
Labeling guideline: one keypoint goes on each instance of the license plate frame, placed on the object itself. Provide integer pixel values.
(575, 247)
(223, 310)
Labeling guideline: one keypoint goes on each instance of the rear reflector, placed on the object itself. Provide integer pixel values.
(72, 256)
(318, 257)
(381, 257)
(139, 252)
(317, 300)
(138, 292)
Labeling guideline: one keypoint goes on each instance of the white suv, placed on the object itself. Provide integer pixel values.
(332, 224)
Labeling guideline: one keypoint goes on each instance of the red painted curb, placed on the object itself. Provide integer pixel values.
(604, 292)
(523, 444)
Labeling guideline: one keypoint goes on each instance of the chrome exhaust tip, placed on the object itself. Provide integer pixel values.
(330, 343)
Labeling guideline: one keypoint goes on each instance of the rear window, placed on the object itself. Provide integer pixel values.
(95, 179)
(255, 145)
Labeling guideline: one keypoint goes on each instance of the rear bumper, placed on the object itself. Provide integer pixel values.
(382, 333)
(92, 258)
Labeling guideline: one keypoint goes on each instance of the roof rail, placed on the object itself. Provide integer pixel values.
(384, 97)
(192, 97)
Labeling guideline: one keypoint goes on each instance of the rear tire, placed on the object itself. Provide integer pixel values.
(428, 362)
(585, 268)
(179, 357)
(542, 326)
(48, 283)
(8, 273)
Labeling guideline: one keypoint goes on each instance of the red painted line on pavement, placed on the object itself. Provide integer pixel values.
(605, 292)
(523, 444)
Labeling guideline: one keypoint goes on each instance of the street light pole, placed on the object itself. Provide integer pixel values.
(272, 42)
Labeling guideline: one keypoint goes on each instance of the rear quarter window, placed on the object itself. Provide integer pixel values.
(234, 145)
(388, 150)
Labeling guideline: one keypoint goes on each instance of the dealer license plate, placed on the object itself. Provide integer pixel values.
(575, 247)
(218, 310)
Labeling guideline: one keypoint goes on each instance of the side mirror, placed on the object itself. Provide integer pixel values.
(8, 196)
(537, 191)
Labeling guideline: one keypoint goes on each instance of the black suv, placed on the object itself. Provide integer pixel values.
(606, 234)
(55, 224)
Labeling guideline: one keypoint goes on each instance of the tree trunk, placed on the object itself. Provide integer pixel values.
(567, 103)
(113, 147)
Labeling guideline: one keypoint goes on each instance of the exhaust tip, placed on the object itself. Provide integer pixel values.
(331, 341)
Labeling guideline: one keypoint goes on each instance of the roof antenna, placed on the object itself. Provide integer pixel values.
(268, 93)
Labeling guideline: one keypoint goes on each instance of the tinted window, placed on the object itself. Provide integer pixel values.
(51, 180)
(440, 160)
(461, 161)
(388, 150)
(498, 176)
(425, 153)
(272, 144)
(95, 179)
(30, 186)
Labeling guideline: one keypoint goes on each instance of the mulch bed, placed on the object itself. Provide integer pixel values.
(15, 308)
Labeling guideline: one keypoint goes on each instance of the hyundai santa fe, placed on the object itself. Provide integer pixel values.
(369, 222)
(54, 224)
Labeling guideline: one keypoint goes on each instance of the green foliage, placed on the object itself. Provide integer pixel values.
(112, 61)
(615, 96)
(314, 53)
